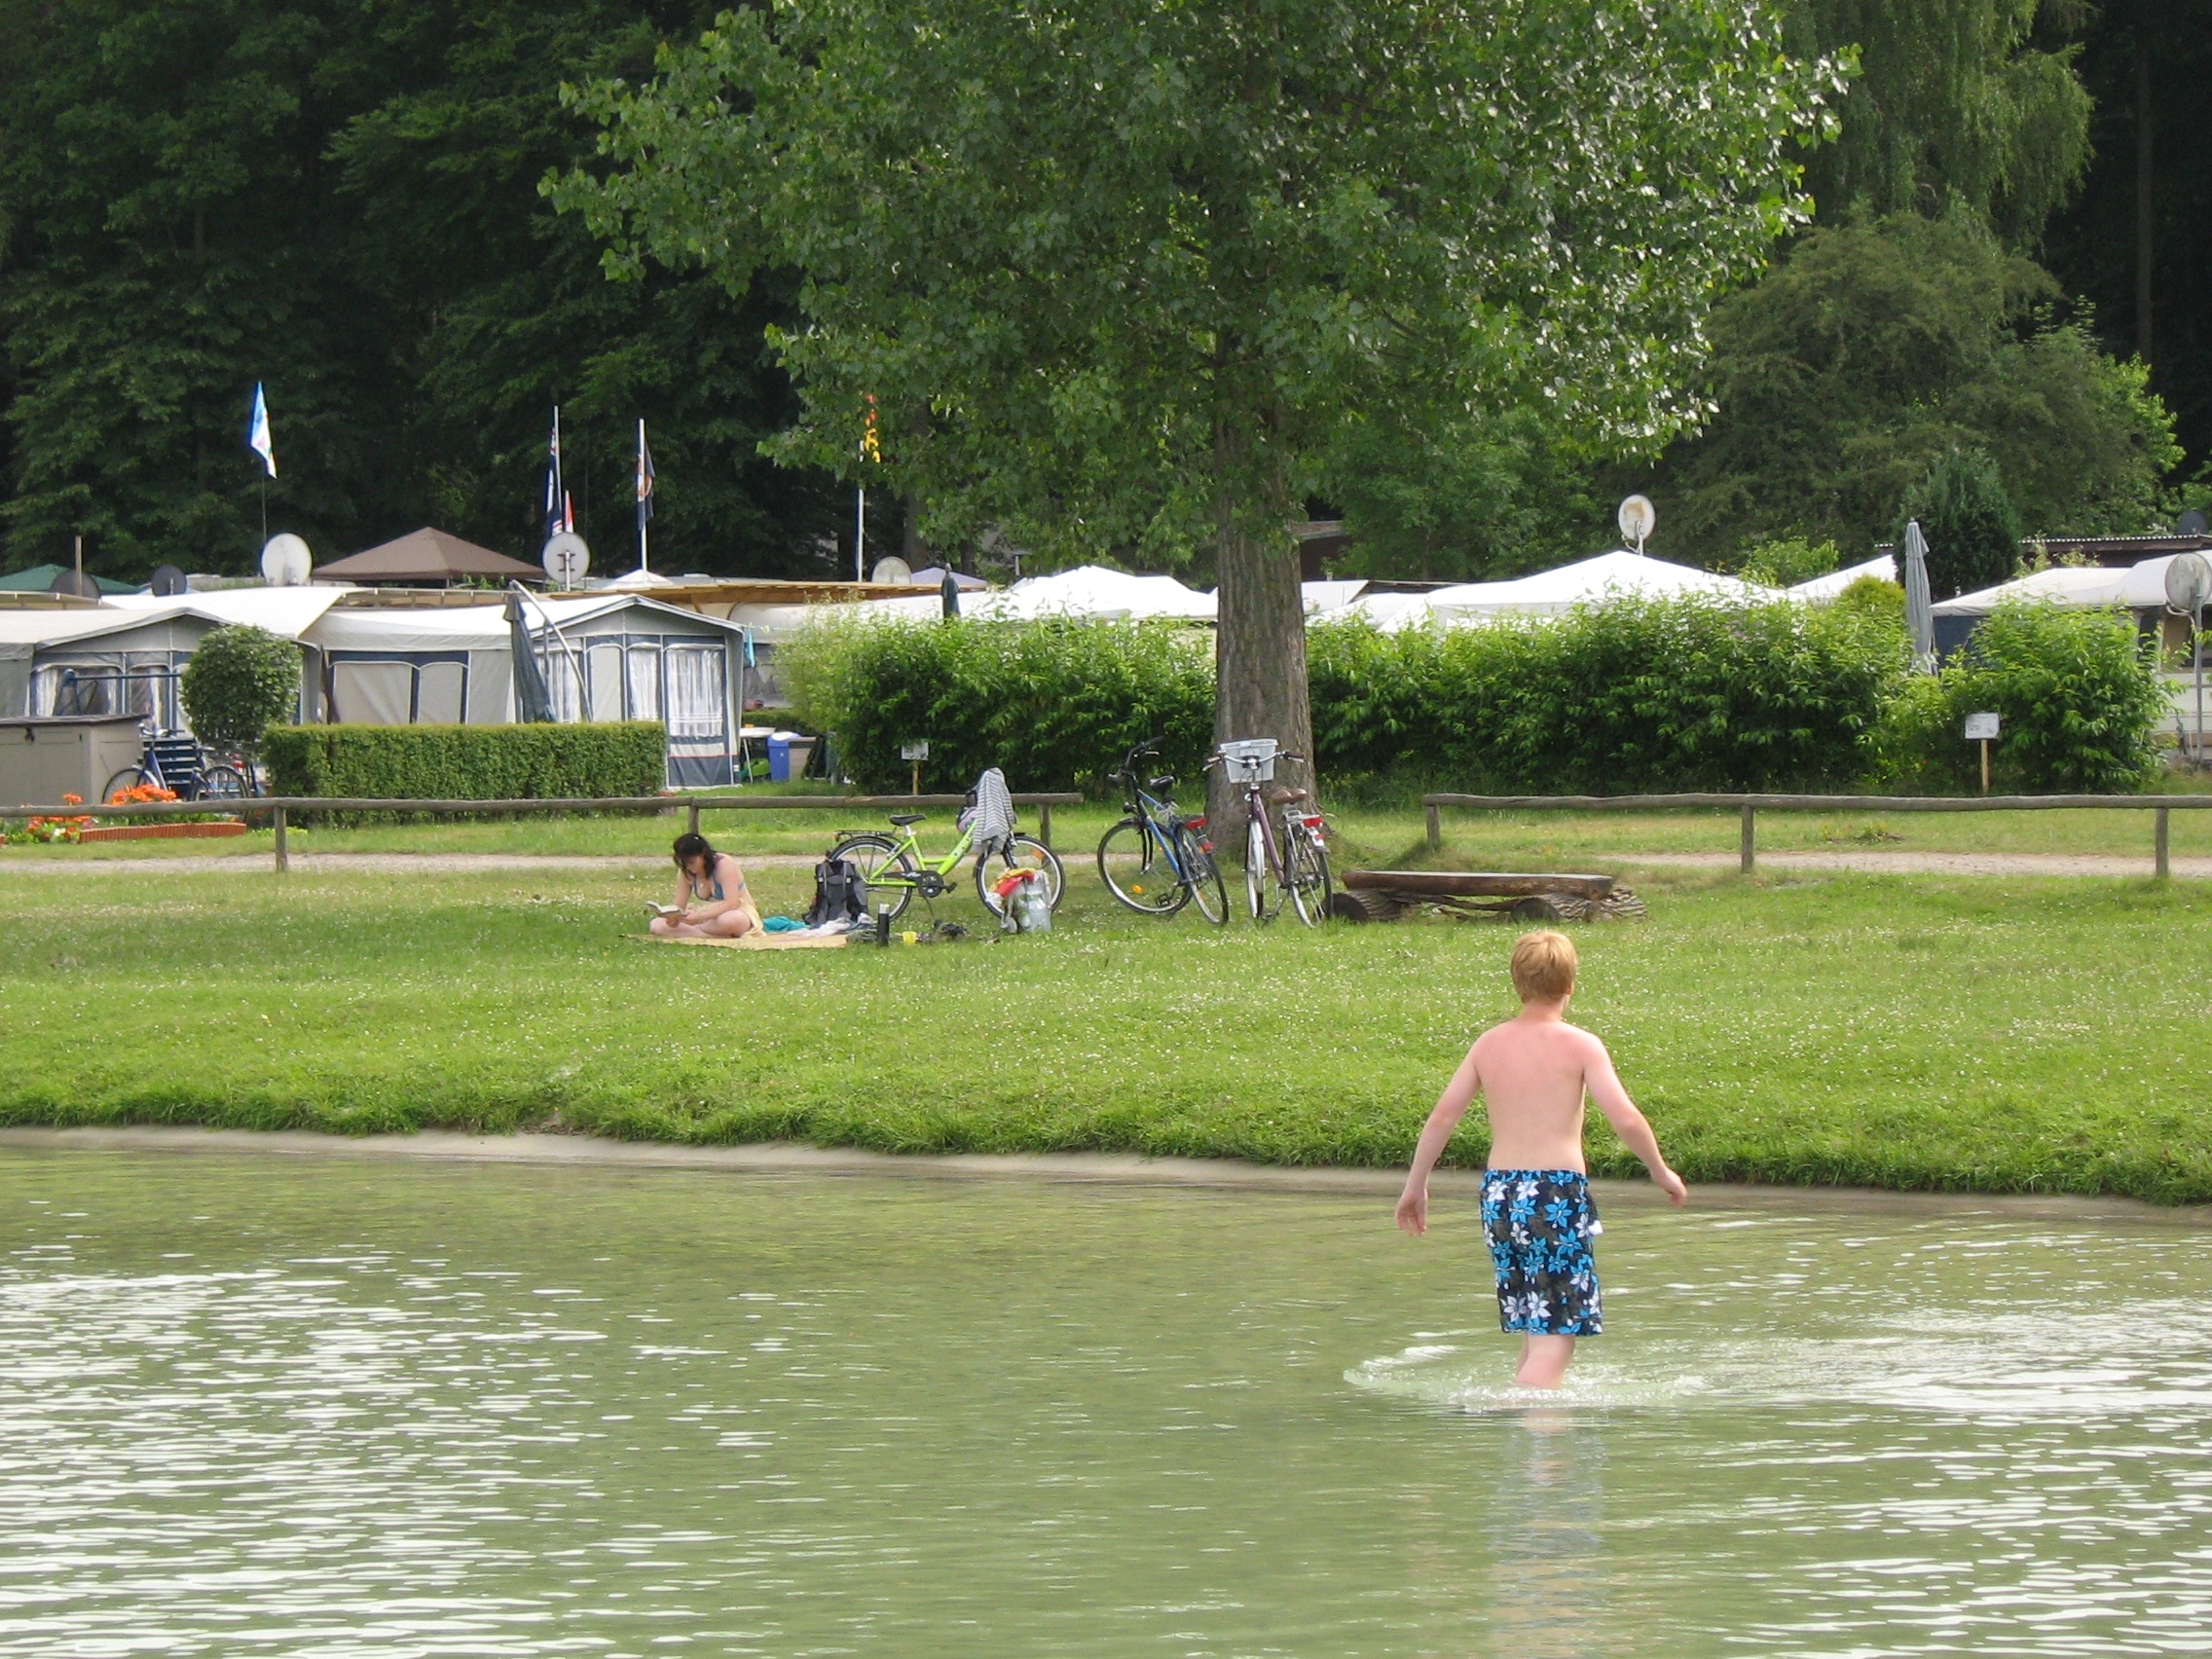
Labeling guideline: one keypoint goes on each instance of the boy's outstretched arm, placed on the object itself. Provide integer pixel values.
(1450, 1106)
(1627, 1123)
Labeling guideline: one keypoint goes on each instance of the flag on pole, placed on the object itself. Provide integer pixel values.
(257, 436)
(568, 514)
(556, 497)
(870, 449)
(644, 478)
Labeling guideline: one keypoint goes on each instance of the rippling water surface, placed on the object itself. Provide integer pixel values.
(334, 1409)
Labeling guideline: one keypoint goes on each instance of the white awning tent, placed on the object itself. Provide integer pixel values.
(608, 656)
(1094, 592)
(1619, 575)
(2063, 585)
(1820, 589)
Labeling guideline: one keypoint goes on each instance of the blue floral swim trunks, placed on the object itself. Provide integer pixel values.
(1540, 1222)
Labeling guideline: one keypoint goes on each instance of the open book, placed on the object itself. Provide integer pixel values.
(664, 909)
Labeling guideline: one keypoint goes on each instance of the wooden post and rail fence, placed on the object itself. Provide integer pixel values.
(279, 809)
(2160, 806)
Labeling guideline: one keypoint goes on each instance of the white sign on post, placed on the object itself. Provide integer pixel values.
(914, 751)
(1981, 729)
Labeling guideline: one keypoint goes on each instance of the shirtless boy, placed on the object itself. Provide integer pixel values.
(1532, 1073)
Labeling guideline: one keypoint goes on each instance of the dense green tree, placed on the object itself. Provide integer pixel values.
(1877, 347)
(240, 682)
(1121, 271)
(1956, 103)
(340, 200)
(1973, 534)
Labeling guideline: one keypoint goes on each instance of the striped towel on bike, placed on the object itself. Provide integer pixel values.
(991, 818)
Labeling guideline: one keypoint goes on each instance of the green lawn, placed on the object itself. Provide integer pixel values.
(2000, 1035)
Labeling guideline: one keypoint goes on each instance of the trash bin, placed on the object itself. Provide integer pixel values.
(789, 752)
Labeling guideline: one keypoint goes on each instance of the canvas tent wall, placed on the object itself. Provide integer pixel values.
(606, 657)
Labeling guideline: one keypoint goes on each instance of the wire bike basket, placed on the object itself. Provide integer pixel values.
(1249, 759)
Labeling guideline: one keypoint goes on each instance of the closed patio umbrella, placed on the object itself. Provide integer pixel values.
(534, 703)
(1918, 607)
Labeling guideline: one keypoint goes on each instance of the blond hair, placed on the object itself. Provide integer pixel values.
(1543, 966)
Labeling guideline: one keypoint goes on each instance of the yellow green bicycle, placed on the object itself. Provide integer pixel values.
(896, 871)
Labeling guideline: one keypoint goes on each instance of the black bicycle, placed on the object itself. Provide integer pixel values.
(174, 760)
(1155, 860)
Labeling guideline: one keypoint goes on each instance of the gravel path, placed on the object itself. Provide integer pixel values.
(398, 863)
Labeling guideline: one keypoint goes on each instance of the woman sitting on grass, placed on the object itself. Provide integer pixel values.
(712, 900)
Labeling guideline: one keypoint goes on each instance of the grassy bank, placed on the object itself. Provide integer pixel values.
(1964, 1034)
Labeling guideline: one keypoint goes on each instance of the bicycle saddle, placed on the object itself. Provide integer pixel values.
(1283, 794)
(1161, 785)
(902, 818)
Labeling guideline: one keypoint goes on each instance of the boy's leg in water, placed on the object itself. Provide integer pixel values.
(1543, 1361)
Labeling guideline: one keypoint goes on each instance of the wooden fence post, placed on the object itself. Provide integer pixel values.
(284, 854)
(1435, 827)
(1750, 855)
(694, 823)
(1045, 823)
(2161, 839)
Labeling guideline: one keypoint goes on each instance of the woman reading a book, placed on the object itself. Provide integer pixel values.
(712, 900)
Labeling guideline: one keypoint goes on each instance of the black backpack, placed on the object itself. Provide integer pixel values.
(840, 892)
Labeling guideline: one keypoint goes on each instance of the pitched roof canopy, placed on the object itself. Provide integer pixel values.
(428, 555)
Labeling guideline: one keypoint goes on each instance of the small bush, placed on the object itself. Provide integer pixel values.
(1788, 562)
(1973, 532)
(1055, 703)
(464, 762)
(2077, 692)
(240, 682)
(1876, 599)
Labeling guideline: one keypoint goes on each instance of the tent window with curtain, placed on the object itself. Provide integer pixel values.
(698, 747)
(602, 674)
(644, 681)
(417, 688)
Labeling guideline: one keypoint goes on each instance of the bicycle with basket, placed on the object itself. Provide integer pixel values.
(1155, 860)
(1286, 858)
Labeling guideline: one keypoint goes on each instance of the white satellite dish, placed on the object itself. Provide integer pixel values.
(565, 558)
(1638, 518)
(894, 570)
(286, 561)
(2189, 582)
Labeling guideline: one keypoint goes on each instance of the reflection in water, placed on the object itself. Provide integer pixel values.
(339, 1411)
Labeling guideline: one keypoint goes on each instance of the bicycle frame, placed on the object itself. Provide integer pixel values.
(909, 846)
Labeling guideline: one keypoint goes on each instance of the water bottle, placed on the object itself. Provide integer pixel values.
(1033, 907)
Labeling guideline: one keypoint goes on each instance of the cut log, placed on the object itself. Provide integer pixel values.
(1350, 907)
(1414, 885)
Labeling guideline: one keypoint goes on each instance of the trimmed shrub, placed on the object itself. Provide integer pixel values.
(1612, 699)
(467, 762)
(2078, 693)
(1055, 703)
(239, 681)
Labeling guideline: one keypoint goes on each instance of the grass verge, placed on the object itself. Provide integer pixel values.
(1971, 1035)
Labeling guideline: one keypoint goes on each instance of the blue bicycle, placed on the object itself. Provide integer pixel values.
(1156, 860)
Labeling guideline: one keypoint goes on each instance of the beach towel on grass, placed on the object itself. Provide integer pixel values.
(761, 941)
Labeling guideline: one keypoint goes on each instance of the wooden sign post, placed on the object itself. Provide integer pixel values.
(1982, 730)
(917, 751)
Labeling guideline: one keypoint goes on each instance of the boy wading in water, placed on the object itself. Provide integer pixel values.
(1532, 1073)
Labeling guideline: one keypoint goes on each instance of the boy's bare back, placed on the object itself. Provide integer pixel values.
(1532, 1072)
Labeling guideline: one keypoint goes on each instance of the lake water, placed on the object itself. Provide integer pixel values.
(298, 1407)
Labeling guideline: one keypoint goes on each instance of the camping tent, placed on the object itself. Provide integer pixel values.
(39, 579)
(1097, 593)
(1820, 589)
(428, 558)
(608, 656)
(1609, 575)
(2064, 585)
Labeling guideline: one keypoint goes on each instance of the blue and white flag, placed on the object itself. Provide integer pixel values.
(257, 436)
(557, 517)
(646, 479)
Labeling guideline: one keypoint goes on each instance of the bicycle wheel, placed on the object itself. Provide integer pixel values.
(130, 778)
(1023, 852)
(1134, 865)
(1259, 879)
(887, 869)
(1307, 862)
(221, 783)
(1203, 878)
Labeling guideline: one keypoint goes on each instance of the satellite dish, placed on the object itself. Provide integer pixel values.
(1638, 517)
(565, 558)
(2189, 582)
(286, 561)
(168, 583)
(2192, 523)
(893, 570)
(76, 584)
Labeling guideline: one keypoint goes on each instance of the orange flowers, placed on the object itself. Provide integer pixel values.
(136, 796)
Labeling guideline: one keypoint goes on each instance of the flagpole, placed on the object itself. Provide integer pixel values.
(641, 496)
(860, 533)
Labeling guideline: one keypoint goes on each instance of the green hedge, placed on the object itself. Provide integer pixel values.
(2078, 693)
(1057, 703)
(467, 762)
(1672, 694)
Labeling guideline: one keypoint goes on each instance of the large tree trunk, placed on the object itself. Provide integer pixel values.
(1259, 663)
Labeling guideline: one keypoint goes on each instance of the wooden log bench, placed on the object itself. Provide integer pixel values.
(1382, 895)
